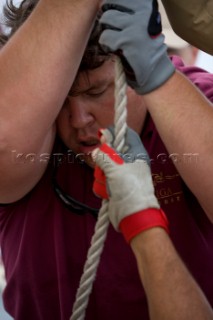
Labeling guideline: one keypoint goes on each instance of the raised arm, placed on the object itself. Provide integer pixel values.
(171, 291)
(184, 119)
(182, 115)
(38, 66)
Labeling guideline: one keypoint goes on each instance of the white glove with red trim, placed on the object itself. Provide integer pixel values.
(133, 206)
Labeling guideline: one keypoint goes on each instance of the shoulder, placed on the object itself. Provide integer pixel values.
(201, 78)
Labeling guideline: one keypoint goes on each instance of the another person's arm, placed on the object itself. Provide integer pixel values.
(192, 21)
(38, 66)
(171, 291)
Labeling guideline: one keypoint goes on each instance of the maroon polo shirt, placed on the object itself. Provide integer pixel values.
(44, 244)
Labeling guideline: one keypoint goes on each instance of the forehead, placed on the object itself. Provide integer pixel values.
(96, 77)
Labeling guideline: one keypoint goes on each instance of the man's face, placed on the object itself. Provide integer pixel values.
(90, 106)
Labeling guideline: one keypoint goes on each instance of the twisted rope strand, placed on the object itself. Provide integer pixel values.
(92, 262)
(102, 224)
(120, 106)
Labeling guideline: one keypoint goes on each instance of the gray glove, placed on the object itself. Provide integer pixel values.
(133, 30)
(133, 149)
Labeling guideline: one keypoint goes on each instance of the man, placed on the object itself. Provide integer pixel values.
(44, 243)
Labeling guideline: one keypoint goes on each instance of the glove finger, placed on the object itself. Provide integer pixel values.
(115, 20)
(155, 27)
(106, 135)
(118, 7)
(106, 158)
(110, 40)
(135, 146)
(99, 184)
(124, 5)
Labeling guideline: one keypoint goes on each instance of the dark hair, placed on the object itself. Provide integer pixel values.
(15, 16)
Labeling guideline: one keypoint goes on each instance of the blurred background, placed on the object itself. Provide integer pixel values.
(177, 46)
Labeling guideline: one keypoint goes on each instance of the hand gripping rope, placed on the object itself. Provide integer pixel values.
(98, 239)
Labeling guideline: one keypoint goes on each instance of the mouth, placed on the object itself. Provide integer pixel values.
(90, 143)
(88, 146)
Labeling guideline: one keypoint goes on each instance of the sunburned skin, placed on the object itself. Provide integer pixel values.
(90, 106)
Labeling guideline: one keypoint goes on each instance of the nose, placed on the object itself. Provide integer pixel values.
(80, 115)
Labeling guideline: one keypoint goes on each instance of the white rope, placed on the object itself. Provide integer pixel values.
(98, 239)
(91, 265)
(120, 106)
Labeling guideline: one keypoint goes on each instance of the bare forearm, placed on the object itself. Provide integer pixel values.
(38, 66)
(184, 118)
(171, 291)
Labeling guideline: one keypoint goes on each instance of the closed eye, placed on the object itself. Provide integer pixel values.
(96, 93)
